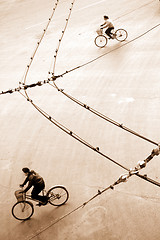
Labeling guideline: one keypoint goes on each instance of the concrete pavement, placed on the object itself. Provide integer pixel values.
(121, 81)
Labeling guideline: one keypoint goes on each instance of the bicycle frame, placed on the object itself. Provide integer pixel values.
(27, 196)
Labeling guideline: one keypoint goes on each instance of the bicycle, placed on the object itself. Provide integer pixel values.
(24, 209)
(119, 34)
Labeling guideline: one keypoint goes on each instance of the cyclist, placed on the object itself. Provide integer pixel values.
(36, 181)
(107, 24)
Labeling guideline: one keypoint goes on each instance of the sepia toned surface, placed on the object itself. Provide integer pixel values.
(120, 81)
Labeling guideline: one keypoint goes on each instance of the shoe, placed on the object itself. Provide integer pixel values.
(41, 203)
(44, 203)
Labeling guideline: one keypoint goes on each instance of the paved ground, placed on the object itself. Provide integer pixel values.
(121, 81)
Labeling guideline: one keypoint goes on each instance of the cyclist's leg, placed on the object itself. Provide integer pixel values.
(108, 32)
(34, 194)
(36, 190)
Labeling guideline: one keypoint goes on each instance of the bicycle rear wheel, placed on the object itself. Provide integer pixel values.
(101, 41)
(22, 210)
(58, 195)
(121, 35)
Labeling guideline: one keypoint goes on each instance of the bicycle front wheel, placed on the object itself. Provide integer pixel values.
(100, 41)
(58, 195)
(22, 210)
(121, 35)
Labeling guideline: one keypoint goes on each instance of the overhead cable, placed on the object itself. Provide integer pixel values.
(38, 43)
(103, 116)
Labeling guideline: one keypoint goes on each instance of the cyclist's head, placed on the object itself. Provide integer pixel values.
(106, 17)
(25, 170)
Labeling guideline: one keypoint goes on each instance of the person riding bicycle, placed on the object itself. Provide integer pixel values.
(36, 181)
(109, 25)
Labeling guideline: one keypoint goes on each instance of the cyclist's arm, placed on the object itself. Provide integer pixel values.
(28, 187)
(104, 25)
(25, 181)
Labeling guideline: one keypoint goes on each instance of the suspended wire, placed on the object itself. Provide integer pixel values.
(121, 179)
(93, 60)
(63, 127)
(102, 115)
(67, 71)
(72, 134)
(65, 27)
(93, 110)
(60, 125)
(24, 87)
(38, 43)
(53, 78)
(56, 51)
(144, 177)
(75, 136)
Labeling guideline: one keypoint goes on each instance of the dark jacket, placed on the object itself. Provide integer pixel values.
(33, 179)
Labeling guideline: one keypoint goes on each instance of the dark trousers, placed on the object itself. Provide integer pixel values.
(36, 190)
(108, 31)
